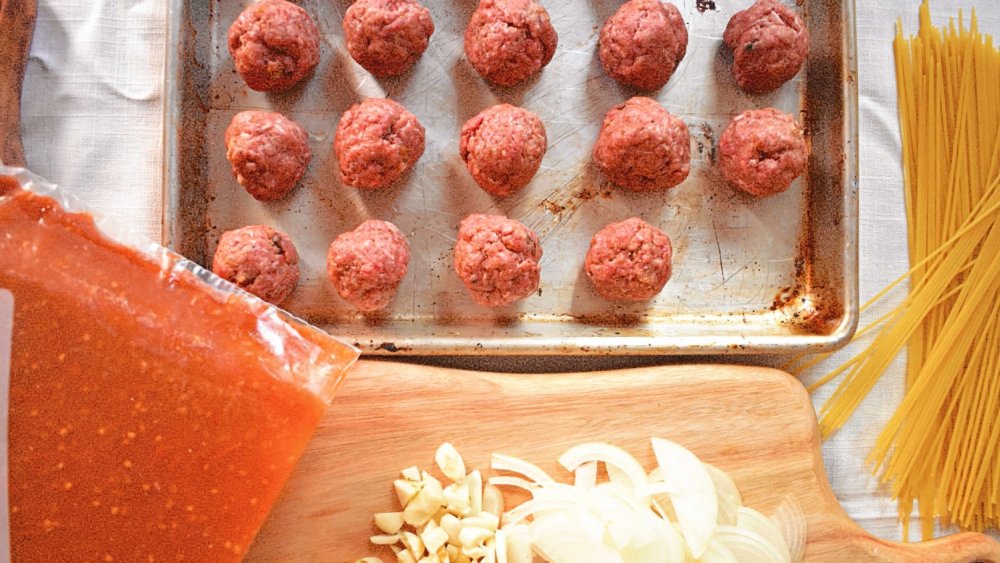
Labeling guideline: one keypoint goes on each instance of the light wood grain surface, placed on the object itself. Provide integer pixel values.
(756, 423)
(17, 23)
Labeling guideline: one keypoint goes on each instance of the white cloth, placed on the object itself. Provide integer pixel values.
(92, 121)
(91, 106)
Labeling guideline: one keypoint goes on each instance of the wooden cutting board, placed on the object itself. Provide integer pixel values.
(17, 22)
(758, 424)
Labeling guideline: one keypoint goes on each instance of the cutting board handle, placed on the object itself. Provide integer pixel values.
(966, 547)
(17, 22)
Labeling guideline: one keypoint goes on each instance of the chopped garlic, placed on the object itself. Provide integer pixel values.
(406, 490)
(452, 525)
(475, 492)
(389, 522)
(472, 536)
(457, 498)
(434, 537)
(424, 505)
(411, 473)
(413, 544)
(477, 552)
(492, 500)
(386, 539)
(450, 462)
(483, 520)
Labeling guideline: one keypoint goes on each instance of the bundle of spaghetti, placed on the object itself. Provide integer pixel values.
(940, 450)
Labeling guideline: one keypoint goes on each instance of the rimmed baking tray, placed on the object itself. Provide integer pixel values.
(750, 276)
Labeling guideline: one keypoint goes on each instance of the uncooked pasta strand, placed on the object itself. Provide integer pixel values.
(940, 450)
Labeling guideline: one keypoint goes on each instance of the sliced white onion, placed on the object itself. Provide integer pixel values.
(554, 542)
(752, 521)
(747, 546)
(500, 546)
(585, 476)
(620, 516)
(534, 506)
(791, 521)
(518, 543)
(683, 511)
(664, 546)
(695, 503)
(512, 481)
(502, 462)
(612, 456)
(728, 494)
(717, 552)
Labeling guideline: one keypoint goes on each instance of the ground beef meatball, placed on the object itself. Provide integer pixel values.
(762, 151)
(274, 44)
(497, 259)
(629, 261)
(508, 41)
(387, 37)
(769, 42)
(643, 147)
(503, 147)
(366, 265)
(642, 44)
(377, 141)
(268, 152)
(259, 260)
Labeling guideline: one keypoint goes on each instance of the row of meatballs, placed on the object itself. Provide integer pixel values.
(275, 44)
(641, 147)
(497, 258)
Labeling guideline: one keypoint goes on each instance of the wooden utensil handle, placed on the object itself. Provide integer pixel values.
(17, 22)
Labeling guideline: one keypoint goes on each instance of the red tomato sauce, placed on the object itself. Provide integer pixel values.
(151, 418)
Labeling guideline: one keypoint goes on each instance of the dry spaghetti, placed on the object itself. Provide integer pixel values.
(940, 450)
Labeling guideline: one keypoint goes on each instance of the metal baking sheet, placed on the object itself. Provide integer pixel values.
(750, 276)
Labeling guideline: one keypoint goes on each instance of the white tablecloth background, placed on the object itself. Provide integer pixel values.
(92, 121)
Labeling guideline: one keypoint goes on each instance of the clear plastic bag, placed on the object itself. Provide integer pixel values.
(156, 410)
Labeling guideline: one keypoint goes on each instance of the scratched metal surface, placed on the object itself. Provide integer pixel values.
(772, 275)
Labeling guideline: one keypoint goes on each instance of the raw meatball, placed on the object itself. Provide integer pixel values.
(629, 261)
(268, 152)
(769, 42)
(367, 264)
(387, 37)
(497, 259)
(762, 151)
(507, 41)
(274, 44)
(643, 147)
(642, 44)
(503, 147)
(259, 260)
(377, 142)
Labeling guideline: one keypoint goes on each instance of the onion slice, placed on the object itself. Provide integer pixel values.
(728, 494)
(695, 503)
(612, 456)
(747, 546)
(791, 521)
(752, 521)
(501, 462)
